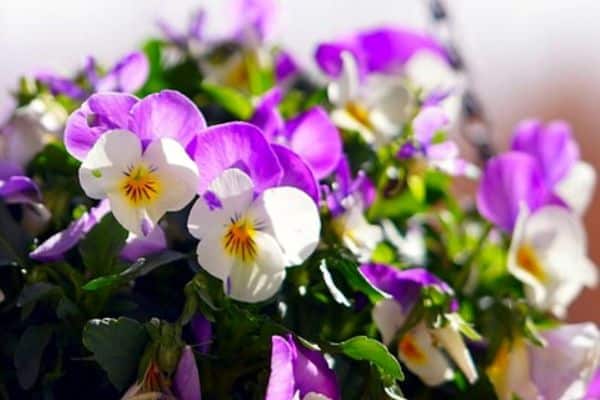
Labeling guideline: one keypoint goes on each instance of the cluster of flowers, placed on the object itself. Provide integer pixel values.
(342, 187)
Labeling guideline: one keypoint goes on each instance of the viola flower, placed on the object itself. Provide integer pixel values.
(444, 155)
(301, 133)
(247, 241)
(133, 153)
(192, 38)
(299, 373)
(127, 75)
(203, 332)
(420, 349)
(254, 21)
(510, 180)
(557, 154)
(542, 244)
(531, 372)
(347, 202)
(29, 129)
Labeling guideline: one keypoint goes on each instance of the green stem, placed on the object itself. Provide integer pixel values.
(465, 272)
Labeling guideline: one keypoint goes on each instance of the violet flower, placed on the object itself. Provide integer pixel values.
(299, 373)
(593, 389)
(557, 153)
(301, 133)
(202, 331)
(127, 75)
(186, 381)
(420, 349)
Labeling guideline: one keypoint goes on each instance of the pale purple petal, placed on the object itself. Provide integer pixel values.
(281, 384)
(285, 66)
(429, 121)
(552, 146)
(8, 169)
(329, 57)
(61, 86)
(296, 172)
(58, 244)
(100, 113)
(167, 114)
(197, 24)
(89, 70)
(186, 382)
(266, 115)
(510, 179)
(128, 75)
(236, 145)
(314, 137)
(19, 190)
(257, 18)
(403, 285)
(203, 332)
(143, 246)
(171, 33)
(593, 389)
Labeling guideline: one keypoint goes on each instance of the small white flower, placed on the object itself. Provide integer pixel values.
(247, 242)
(355, 232)
(577, 188)
(141, 184)
(548, 254)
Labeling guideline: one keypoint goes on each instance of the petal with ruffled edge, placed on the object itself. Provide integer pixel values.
(509, 180)
(551, 145)
(100, 113)
(310, 127)
(296, 172)
(167, 114)
(563, 368)
(236, 145)
(53, 248)
(577, 187)
(296, 232)
(186, 381)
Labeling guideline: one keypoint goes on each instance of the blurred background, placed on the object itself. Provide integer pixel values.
(526, 57)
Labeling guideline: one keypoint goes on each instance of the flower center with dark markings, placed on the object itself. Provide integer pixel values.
(140, 184)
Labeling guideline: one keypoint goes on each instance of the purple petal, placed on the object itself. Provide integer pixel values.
(167, 114)
(281, 384)
(58, 244)
(203, 333)
(329, 57)
(285, 66)
(551, 145)
(236, 145)
(316, 139)
(142, 246)
(128, 75)
(100, 113)
(89, 70)
(403, 285)
(509, 180)
(9, 169)
(296, 172)
(257, 18)
(61, 86)
(19, 190)
(593, 389)
(427, 123)
(367, 190)
(197, 24)
(171, 33)
(186, 382)
(266, 115)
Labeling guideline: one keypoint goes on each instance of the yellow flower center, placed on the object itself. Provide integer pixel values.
(238, 240)
(529, 261)
(140, 185)
(360, 113)
(408, 348)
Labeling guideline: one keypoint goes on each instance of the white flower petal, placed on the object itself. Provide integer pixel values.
(343, 119)
(103, 167)
(577, 188)
(346, 86)
(454, 345)
(510, 372)
(177, 174)
(132, 218)
(388, 317)
(213, 258)
(292, 218)
(360, 237)
(251, 284)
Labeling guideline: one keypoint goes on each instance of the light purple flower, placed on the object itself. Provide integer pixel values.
(127, 75)
(166, 114)
(301, 133)
(347, 187)
(244, 146)
(202, 331)
(286, 66)
(593, 389)
(195, 31)
(143, 246)
(254, 20)
(15, 187)
(298, 371)
(510, 180)
(381, 50)
(186, 381)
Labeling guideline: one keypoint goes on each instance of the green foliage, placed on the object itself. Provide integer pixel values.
(230, 99)
(29, 352)
(101, 247)
(366, 349)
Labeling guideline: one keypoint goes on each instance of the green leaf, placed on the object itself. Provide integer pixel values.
(28, 354)
(363, 348)
(35, 292)
(101, 247)
(462, 326)
(230, 99)
(13, 240)
(118, 345)
(260, 78)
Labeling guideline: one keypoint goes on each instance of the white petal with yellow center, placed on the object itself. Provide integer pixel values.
(356, 233)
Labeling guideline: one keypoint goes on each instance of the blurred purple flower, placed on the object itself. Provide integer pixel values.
(285, 66)
(593, 389)
(202, 331)
(254, 21)
(298, 372)
(15, 187)
(346, 188)
(186, 381)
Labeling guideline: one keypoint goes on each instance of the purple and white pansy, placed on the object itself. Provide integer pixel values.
(422, 348)
(561, 370)
(299, 373)
(133, 153)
